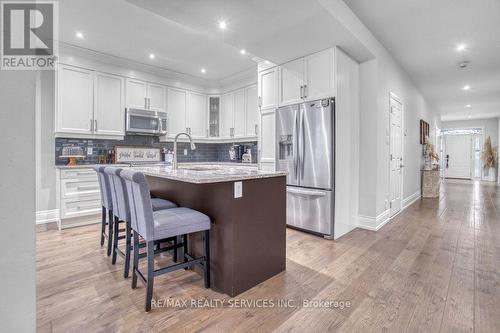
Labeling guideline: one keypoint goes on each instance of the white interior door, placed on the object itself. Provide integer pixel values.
(458, 156)
(396, 157)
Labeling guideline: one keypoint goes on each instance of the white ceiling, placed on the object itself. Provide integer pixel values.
(422, 36)
(184, 35)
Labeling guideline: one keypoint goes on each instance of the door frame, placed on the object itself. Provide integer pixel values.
(392, 95)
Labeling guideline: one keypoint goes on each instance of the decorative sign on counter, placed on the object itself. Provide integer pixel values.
(125, 154)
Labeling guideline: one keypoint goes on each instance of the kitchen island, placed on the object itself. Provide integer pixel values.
(247, 208)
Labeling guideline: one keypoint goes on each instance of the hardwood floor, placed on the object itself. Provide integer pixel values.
(434, 268)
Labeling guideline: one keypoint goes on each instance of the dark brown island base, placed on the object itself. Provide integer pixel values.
(247, 235)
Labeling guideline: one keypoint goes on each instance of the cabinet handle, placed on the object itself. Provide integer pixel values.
(95, 126)
(207, 133)
(231, 132)
(301, 91)
(260, 101)
(305, 91)
(91, 125)
(145, 102)
(149, 103)
(256, 129)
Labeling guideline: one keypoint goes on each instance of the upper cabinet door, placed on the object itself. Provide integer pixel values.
(239, 114)
(75, 100)
(109, 115)
(291, 81)
(136, 91)
(156, 95)
(251, 110)
(268, 88)
(226, 116)
(176, 111)
(197, 115)
(319, 75)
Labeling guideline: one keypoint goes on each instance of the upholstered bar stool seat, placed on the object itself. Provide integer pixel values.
(178, 221)
(159, 204)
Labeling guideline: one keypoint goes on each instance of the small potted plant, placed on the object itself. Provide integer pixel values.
(489, 157)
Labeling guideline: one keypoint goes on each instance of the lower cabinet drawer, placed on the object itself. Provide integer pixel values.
(71, 188)
(81, 207)
(78, 173)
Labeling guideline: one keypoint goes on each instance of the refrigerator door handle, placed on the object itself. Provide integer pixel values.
(303, 140)
(306, 192)
(295, 144)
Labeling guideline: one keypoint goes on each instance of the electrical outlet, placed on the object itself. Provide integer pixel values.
(185, 151)
(238, 189)
(89, 150)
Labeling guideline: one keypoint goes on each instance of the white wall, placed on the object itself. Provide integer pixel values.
(378, 78)
(17, 201)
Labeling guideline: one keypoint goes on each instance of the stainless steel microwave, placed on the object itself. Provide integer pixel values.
(146, 122)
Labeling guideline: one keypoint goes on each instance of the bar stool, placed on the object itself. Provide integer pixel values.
(106, 203)
(122, 215)
(153, 226)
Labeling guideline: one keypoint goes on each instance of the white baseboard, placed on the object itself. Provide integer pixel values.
(374, 223)
(411, 199)
(47, 216)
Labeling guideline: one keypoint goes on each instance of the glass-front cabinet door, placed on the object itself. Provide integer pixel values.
(213, 116)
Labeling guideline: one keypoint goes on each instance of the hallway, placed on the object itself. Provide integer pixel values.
(435, 267)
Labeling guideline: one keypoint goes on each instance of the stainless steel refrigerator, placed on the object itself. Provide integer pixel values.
(305, 149)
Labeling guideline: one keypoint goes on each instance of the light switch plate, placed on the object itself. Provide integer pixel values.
(238, 189)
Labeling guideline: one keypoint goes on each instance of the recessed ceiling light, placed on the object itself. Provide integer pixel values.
(222, 24)
(203, 70)
(267, 62)
(243, 51)
(467, 106)
(151, 56)
(461, 47)
(469, 116)
(78, 34)
(466, 87)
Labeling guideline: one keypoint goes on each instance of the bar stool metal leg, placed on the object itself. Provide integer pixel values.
(127, 249)
(150, 277)
(185, 249)
(135, 265)
(110, 231)
(115, 239)
(103, 225)
(207, 259)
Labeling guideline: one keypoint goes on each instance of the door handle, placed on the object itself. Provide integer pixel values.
(305, 192)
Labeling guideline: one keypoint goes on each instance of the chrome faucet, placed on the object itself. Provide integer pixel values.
(174, 157)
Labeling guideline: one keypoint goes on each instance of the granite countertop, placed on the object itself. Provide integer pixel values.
(208, 173)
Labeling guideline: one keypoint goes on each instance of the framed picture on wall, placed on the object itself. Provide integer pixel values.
(424, 131)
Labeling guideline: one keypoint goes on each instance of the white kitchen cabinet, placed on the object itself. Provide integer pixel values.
(308, 78)
(251, 111)
(156, 95)
(176, 111)
(136, 92)
(75, 100)
(227, 116)
(268, 88)
(319, 81)
(291, 82)
(197, 115)
(109, 106)
(239, 118)
(145, 95)
(78, 197)
(267, 142)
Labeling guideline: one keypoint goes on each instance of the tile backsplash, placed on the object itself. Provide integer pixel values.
(97, 150)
